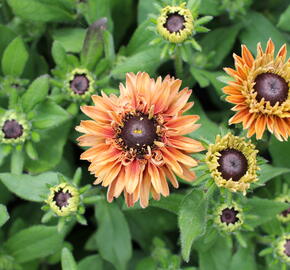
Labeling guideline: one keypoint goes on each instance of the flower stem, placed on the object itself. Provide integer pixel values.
(178, 64)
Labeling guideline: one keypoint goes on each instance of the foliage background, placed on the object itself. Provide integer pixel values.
(39, 36)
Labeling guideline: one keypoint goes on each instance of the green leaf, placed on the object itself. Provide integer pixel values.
(113, 236)
(30, 150)
(279, 152)
(284, 20)
(243, 259)
(7, 35)
(144, 8)
(269, 172)
(93, 44)
(49, 115)
(34, 243)
(40, 11)
(49, 149)
(260, 29)
(71, 39)
(91, 262)
(210, 7)
(170, 203)
(59, 55)
(217, 257)
(220, 41)
(67, 260)
(4, 216)
(28, 187)
(140, 39)
(36, 93)
(14, 58)
(192, 220)
(263, 209)
(148, 61)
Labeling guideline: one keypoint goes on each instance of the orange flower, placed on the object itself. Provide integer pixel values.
(260, 91)
(136, 140)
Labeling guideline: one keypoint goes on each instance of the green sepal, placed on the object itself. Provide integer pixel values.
(31, 151)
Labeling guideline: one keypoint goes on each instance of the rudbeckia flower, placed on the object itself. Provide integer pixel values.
(232, 162)
(260, 91)
(283, 248)
(228, 217)
(136, 140)
(284, 216)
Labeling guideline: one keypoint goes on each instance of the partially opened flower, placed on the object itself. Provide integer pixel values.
(284, 216)
(260, 91)
(136, 140)
(232, 162)
(228, 217)
(63, 199)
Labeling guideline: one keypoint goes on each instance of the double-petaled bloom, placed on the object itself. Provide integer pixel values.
(260, 91)
(136, 140)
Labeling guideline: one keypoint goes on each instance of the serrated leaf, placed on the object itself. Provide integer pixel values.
(192, 220)
(28, 187)
(14, 58)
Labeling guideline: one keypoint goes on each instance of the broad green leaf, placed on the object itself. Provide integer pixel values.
(28, 187)
(217, 257)
(36, 93)
(144, 9)
(269, 172)
(263, 209)
(93, 44)
(284, 20)
(4, 216)
(243, 259)
(170, 203)
(220, 41)
(33, 243)
(279, 152)
(208, 129)
(40, 11)
(91, 262)
(49, 149)
(14, 58)
(146, 264)
(59, 55)
(140, 39)
(49, 115)
(7, 35)
(113, 235)
(71, 39)
(192, 220)
(147, 61)
(260, 29)
(67, 260)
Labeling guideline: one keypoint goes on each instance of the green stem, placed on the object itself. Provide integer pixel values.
(178, 64)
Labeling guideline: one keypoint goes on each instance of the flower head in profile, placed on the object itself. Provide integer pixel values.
(232, 162)
(260, 91)
(282, 248)
(63, 199)
(284, 216)
(136, 140)
(228, 217)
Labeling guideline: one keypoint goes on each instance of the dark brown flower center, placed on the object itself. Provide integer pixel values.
(174, 22)
(287, 247)
(138, 131)
(229, 215)
(61, 198)
(232, 164)
(12, 129)
(271, 87)
(80, 84)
